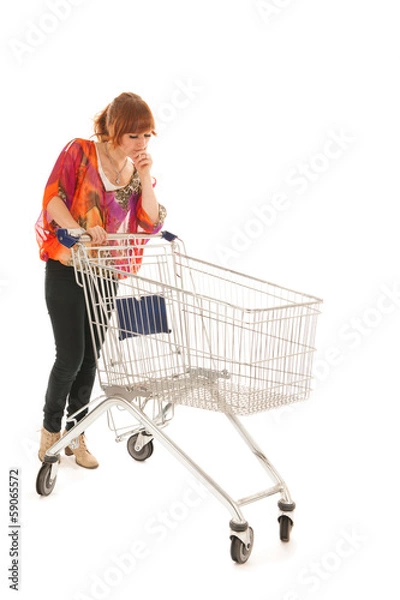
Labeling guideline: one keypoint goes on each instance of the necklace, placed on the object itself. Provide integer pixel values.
(112, 162)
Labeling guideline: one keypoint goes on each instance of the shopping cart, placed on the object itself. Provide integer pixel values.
(179, 330)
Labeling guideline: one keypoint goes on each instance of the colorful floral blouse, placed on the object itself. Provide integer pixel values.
(76, 179)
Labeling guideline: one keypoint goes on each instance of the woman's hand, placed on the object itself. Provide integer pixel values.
(143, 163)
(98, 235)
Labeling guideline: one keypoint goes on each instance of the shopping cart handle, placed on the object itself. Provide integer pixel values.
(69, 237)
(170, 237)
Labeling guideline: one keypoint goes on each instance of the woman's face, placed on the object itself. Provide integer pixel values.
(132, 144)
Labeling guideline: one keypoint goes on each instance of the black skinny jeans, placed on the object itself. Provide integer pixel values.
(74, 371)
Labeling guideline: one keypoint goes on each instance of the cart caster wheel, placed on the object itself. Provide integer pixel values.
(142, 454)
(44, 486)
(285, 527)
(240, 552)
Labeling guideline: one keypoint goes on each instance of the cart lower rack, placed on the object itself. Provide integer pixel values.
(173, 330)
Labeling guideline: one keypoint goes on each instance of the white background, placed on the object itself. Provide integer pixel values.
(246, 96)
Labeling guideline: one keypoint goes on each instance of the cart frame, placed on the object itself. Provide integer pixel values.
(135, 400)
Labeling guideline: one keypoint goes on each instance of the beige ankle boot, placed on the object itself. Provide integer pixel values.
(47, 439)
(82, 455)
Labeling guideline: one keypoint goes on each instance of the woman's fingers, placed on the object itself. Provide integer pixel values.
(142, 161)
(97, 234)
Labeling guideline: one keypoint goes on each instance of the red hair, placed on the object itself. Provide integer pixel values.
(127, 113)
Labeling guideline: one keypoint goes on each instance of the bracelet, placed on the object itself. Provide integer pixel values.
(77, 231)
(162, 213)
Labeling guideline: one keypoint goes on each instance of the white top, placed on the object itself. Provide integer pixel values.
(110, 187)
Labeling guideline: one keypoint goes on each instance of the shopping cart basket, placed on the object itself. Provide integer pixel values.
(179, 330)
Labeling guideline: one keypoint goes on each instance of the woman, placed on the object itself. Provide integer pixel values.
(99, 187)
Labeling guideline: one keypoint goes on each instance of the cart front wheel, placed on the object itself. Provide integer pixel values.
(240, 552)
(44, 485)
(142, 454)
(285, 527)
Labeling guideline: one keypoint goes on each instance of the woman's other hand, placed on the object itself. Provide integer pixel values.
(98, 235)
(143, 163)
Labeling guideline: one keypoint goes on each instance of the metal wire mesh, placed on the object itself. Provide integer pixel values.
(195, 333)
